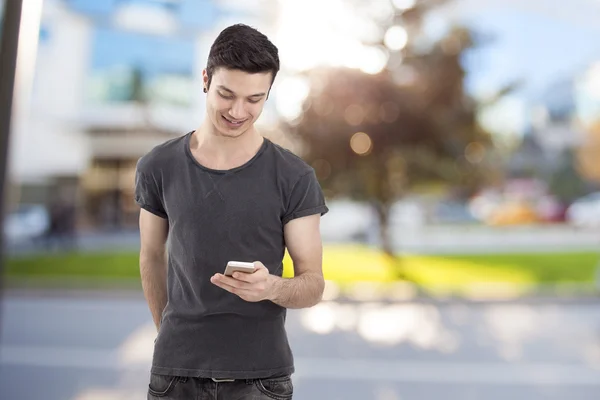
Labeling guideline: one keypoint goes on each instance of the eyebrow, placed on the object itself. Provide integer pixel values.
(232, 92)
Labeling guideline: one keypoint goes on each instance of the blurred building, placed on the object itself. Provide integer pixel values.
(588, 95)
(588, 114)
(553, 130)
(555, 123)
(529, 158)
(105, 81)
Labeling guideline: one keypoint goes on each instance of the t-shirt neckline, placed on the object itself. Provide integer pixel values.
(188, 151)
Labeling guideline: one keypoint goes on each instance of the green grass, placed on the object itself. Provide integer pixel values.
(78, 265)
(347, 264)
(559, 267)
(521, 269)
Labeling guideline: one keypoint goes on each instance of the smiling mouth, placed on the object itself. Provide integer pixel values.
(233, 122)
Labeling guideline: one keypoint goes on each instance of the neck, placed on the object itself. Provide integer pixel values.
(206, 140)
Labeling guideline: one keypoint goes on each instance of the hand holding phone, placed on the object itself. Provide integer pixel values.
(238, 266)
(253, 285)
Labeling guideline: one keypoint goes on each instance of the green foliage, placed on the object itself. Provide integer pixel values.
(418, 123)
(566, 182)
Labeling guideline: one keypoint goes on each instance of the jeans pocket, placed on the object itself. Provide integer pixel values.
(276, 388)
(162, 385)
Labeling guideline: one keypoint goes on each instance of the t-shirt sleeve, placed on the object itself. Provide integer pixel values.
(305, 199)
(147, 194)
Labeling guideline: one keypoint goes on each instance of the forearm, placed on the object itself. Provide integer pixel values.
(301, 291)
(153, 271)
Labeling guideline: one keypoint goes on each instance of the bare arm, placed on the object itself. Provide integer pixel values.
(153, 262)
(303, 241)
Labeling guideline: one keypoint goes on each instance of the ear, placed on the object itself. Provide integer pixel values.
(205, 78)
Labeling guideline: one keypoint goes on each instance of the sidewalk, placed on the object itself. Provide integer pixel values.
(359, 292)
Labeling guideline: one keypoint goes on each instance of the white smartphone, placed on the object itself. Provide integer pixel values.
(238, 266)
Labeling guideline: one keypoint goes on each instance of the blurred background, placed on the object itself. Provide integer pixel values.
(456, 142)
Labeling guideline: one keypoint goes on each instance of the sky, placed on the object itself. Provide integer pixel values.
(536, 48)
(540, 47)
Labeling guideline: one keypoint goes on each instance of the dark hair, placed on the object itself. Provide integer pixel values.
(242, 47)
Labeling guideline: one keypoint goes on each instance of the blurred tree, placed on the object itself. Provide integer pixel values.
(588, 152)
(373, 137)
(138, 95)
(138, 87)
(566, 182)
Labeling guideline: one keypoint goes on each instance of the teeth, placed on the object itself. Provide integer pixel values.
(233, 122)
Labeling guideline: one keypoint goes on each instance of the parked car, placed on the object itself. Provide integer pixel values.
(551, 210)
(452, 212)
(585, 212)
(513, 213)
(408, 213)
(347, 220)
(483, 205)
(28, 222)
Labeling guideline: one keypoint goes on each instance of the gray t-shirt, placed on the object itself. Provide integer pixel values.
(214, 217)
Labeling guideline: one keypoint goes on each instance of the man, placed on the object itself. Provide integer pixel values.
(224, 193)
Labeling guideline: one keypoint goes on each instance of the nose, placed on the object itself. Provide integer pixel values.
(237, 110)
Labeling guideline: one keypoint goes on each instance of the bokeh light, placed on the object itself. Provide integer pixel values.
(474, 152)
(404, 4)
(361, 143)
(290, 94)
(322, 168)
(373, 60)
(354, 114)
(395, 38)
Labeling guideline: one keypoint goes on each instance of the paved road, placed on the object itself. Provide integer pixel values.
(74, 348)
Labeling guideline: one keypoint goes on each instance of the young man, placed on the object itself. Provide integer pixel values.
(224, 193)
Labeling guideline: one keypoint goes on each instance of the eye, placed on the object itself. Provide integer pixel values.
(225, 96)
(253, 101)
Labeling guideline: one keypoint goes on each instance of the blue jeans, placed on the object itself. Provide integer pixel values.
(164, 387)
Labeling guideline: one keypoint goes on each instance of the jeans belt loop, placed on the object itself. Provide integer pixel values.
(220, 380)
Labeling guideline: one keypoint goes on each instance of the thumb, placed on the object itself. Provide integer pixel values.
(258, 265)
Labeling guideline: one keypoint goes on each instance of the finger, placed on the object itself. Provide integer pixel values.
(258, 266)
(244, 277)
(230, 289)
(220, 284)
(254, 277)
(242, 294)
(236, 283)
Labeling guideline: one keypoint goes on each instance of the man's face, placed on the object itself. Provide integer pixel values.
(235, 100)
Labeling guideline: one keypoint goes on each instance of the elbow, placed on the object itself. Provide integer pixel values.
(151, 258)
(319, 290)
(145, 259)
